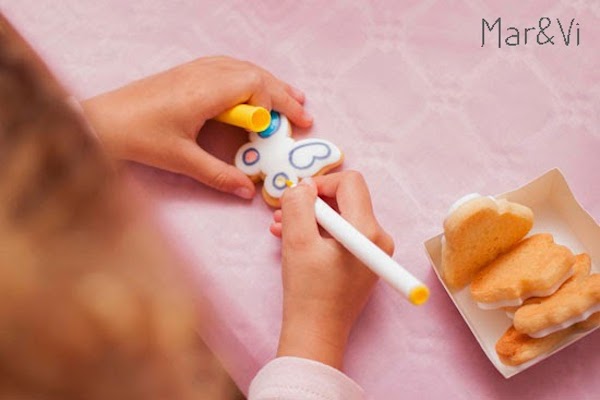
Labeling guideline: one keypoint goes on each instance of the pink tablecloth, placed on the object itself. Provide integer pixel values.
(416, 104)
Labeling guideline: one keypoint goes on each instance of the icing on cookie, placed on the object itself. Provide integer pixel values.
(275, 157)
(465, 199)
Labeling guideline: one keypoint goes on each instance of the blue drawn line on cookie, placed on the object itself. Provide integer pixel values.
(273, 127)
(314, 157)
(247, 152)
(283, 182)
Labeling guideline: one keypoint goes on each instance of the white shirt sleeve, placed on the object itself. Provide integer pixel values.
(292, 378)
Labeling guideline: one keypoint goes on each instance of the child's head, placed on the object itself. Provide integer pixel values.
(90, 305)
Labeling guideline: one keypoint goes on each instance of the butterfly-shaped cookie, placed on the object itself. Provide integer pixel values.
(273, 156)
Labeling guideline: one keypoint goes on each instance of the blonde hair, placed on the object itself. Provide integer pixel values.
(91, 304)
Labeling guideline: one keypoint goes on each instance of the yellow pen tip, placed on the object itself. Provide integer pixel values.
(252, 118)
(419, 295)
(261, 119)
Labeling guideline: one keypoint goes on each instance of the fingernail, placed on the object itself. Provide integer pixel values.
(244, 193)
(306, 116)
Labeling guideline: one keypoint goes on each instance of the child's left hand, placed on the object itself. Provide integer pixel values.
(156, 120)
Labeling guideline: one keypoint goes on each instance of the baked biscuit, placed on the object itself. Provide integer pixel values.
(575, 302)
(581, 269)
(590, 323)
(515, 348)
(536, 267)
(476, 232)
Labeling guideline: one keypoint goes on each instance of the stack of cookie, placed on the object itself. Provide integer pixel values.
(547, 290)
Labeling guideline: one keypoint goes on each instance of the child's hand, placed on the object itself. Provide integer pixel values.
(156, 120)
(324, 286)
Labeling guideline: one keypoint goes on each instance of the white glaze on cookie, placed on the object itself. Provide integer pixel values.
(275, 157)
(464, 200)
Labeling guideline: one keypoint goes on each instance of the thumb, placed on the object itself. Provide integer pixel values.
(299, 225)
(211, 171)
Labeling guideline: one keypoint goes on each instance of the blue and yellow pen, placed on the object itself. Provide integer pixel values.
(252, 118)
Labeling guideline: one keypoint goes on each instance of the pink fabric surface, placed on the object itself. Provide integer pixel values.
(418, 107)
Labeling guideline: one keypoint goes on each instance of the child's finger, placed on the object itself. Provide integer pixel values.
(289, 106)
(277, 215)
(299, 226)
(354, 202)
(276, 229)
(351, 193)
(296, 93)
(198, 164)
(261, 99)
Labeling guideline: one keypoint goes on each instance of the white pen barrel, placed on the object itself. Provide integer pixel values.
(365, 250)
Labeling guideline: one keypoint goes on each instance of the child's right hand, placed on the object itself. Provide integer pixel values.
(324, 286)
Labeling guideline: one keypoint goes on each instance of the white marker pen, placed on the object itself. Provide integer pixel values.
(369, 254)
